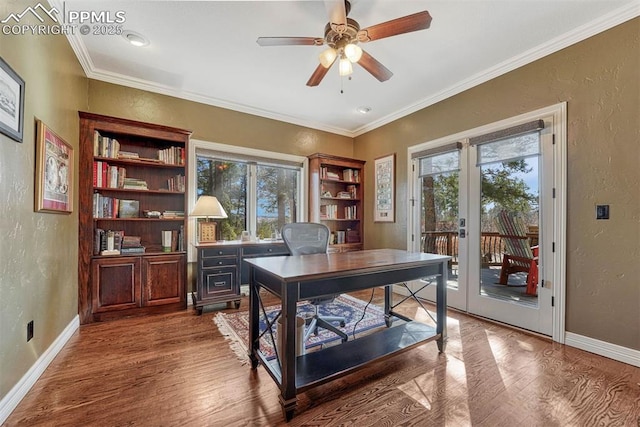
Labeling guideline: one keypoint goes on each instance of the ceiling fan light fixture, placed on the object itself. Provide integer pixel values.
(353, 52)
(327, 57)
(346, 69)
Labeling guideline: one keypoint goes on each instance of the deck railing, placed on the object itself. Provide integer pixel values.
(446, 243)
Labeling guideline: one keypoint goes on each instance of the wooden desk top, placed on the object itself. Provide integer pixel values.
(311, 267)
(239, 243)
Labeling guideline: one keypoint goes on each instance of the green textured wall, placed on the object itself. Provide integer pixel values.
(38, 267)
(214, 124)
(599, 79)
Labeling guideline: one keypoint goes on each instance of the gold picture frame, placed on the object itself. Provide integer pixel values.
(54, 172)
(384, 187)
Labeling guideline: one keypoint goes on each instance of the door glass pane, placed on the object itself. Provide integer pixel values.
(227, 180)
(277, 199)
(509, 149)
(439, 218)
(510, 210)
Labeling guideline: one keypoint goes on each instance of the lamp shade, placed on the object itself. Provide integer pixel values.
(208, 207)
(327, 57)
(345, 67)
(353, 52)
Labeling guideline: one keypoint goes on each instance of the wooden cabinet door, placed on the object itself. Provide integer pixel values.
(115, 284)
(163, 279)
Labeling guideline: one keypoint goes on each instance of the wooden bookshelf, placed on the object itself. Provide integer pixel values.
(141, 166)
(336, 199)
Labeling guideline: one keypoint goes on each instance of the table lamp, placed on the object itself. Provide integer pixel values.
(208, 207)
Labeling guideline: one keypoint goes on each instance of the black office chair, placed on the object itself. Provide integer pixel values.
(305, 238)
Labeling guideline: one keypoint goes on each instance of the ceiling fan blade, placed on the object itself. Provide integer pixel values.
(406, 24)
(337, 11)
(318, 75)
(374, 67)
(288, 41)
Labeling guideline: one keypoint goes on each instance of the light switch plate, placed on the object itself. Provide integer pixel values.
(602, 211)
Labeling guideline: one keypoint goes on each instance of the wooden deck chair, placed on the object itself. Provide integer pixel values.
(518, 254)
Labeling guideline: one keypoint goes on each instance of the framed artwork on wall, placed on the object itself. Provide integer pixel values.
(384, 187)
(54, 172)
(11, 102)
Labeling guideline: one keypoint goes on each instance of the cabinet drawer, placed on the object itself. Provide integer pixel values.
(218, 261)
(266, 250)
(214, 252)
(218, 283)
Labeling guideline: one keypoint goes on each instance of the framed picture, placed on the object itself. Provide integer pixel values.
(384, 187)
(11, 102)
(54, 172)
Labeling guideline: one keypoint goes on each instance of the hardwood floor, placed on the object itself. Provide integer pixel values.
(178, 370)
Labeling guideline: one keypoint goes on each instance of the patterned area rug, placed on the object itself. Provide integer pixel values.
(235, 326)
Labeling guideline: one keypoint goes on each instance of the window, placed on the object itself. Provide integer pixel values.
(260, 193)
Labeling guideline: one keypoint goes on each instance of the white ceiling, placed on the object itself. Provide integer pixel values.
(206, 51)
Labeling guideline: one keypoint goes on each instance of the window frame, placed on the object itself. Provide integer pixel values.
(271, 158)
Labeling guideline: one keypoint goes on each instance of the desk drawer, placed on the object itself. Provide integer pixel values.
(214, 252)
(218, 283)
(265, 250)
(218, 261)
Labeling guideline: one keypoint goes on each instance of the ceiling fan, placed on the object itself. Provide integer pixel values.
(342, 35)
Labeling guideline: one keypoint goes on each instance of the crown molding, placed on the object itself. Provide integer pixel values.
(617, 17)
(610, 20)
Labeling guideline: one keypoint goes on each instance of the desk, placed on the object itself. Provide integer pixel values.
(221, 271)
(299, 278)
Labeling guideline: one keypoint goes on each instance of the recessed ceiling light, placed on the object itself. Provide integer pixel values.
(135, 39)
(363, 109)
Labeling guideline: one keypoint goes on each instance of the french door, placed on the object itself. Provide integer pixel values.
(488, 201)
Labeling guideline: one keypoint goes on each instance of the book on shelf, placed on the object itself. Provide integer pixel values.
(333, 175)
(173, 214)
(350, 212)
(353, 236)
(347, 175)
(104, 206)
(181, 239)
(134, 184)
(166, 240)
(132, 245)
(128, 155)
(100, 173)
(132, 250)
(176, 183)
(104, 146)
(108, 176)
(107, 242)
(172, 155)
(131, 241)
(128, 209)
(329, 212)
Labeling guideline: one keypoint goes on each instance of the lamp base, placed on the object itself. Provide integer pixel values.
(207, 232)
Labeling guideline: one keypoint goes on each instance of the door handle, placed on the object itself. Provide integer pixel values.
(462, 233)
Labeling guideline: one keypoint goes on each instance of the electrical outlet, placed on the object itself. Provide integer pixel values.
(29, 331)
